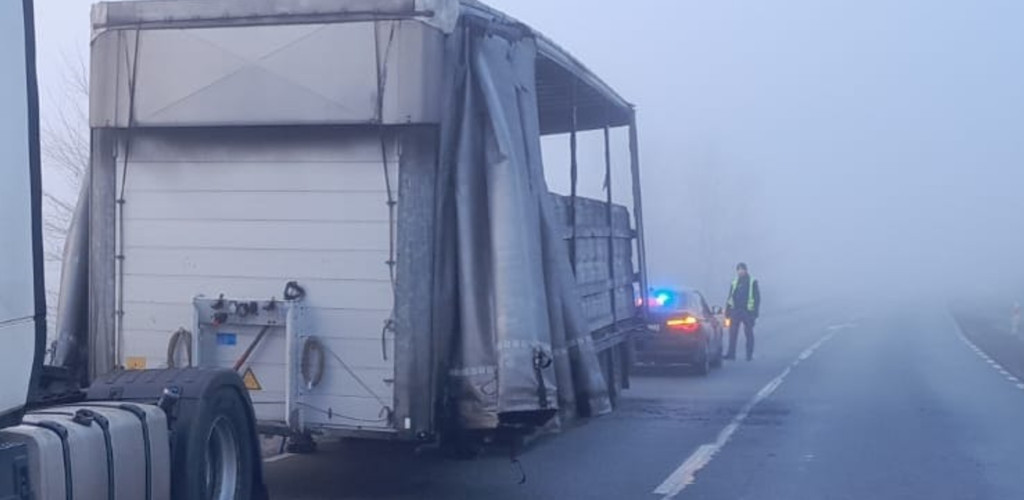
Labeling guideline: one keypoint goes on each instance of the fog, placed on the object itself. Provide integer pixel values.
(869, 147)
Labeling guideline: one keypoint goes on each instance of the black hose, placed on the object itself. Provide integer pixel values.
(389, 325)
(312, 356)
(292, 291)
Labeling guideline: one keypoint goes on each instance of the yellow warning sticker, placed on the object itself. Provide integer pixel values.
(250, 381)
(135, 363)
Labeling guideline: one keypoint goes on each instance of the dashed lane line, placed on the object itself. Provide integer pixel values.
(277, 458)
(988, 359)
(686, 473)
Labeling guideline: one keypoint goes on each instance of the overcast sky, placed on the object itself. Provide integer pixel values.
(862, 142)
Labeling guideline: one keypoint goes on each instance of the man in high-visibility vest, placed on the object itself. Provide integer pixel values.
(743, 307)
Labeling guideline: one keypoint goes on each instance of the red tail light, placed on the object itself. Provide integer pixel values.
(685, 324)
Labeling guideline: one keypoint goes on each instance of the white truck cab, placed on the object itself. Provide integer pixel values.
(154, 435)
(22, 305)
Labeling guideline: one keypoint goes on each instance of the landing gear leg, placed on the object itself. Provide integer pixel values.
(301, 444)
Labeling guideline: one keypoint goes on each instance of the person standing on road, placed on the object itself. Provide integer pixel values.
(743, 307)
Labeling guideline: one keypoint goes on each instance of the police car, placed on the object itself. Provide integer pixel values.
(682, 329)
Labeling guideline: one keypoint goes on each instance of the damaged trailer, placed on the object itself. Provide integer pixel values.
(345, 202)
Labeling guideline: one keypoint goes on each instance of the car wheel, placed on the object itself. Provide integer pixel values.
(716, 360)
(721, 348)
(704, 361)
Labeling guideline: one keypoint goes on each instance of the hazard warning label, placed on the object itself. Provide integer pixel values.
(135, 363)
(250, 380)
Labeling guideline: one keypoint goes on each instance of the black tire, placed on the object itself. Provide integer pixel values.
(213, 429)
(461, 445)
(703, 366)
(218, 455)
(716, 360)
(612, 375)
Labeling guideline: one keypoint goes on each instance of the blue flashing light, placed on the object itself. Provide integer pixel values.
(663, 298)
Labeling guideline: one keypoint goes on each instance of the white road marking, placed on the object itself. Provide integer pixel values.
(806, 354)
(985, 357)
(686, 473)
(842, 326)
(683, 476)
(277, 458)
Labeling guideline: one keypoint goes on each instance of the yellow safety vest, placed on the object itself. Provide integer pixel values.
(750, 294)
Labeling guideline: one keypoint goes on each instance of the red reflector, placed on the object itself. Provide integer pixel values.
(688, 324)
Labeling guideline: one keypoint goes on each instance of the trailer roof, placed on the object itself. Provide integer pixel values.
(562, 80)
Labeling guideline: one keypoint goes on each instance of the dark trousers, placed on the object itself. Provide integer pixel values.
(748, 332)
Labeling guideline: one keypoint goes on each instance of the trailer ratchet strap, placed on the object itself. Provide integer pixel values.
(252, 347)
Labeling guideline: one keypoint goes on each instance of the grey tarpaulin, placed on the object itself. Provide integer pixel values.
(72, 350)
(505, 296)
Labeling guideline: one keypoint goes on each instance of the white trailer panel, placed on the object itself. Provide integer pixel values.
(317, 235)
(165, 289)
(301, 74)
(241, 212)
(296, 264)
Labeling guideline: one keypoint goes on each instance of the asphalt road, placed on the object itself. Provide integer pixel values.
(836, 405)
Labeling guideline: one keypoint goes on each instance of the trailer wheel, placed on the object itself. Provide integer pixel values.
(219, 455)
(611, 367)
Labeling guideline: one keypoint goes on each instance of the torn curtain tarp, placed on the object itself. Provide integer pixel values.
(512, 334)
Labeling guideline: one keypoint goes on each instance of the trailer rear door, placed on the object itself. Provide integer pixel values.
(243, 211)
